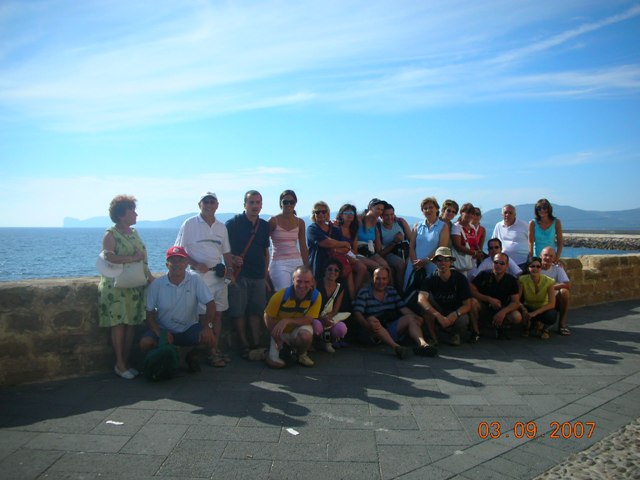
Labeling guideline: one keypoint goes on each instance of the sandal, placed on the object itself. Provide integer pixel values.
(217, 361)
(545, 335)
(564, 331)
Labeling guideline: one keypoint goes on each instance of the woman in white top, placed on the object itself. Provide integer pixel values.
(288, 242)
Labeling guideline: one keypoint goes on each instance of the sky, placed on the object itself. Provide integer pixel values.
(492, 102)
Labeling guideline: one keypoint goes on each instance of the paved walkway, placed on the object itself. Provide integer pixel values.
(359, 414)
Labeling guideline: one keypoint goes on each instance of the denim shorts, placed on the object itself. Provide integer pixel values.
(189, 338)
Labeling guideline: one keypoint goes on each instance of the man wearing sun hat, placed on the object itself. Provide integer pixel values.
(206, 241)
(445, 298)
(172, 306)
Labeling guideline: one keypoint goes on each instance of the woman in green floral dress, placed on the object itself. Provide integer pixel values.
(121, 309)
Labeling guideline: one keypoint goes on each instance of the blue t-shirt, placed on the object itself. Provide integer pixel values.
(318, 256)
(240, 230)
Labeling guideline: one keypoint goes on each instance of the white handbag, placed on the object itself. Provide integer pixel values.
(132, 275)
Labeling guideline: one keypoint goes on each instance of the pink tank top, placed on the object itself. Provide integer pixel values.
(284, 244)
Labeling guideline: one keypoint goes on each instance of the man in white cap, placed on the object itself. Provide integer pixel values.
(206, 241)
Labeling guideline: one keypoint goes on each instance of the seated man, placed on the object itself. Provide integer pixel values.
(445, 297)
(562, 287)
(172, 306)
(494, 246)
(289, 315)
(380, 310)
(497, 296)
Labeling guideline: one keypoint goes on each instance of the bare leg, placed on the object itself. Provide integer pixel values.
(255, 323)
(413, 324)
(379, 331)
(564, 299)
(241, 329)
(118, 340)
(147, 343)
(302, 342)
(128, 342)
(431, 326)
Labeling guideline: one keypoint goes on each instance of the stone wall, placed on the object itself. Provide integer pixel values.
(48, 328)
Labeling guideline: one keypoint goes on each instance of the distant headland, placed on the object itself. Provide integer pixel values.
(573, 219)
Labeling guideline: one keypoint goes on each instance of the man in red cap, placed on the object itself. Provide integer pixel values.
(172, 306)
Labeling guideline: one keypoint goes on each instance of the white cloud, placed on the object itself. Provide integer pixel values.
(94, 66)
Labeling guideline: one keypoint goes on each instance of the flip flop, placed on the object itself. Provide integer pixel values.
(564, 331)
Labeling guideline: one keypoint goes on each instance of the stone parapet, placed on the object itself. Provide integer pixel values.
(49, 328)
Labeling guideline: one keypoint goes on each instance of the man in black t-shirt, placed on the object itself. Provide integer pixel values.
(497, 296)
(445, 298)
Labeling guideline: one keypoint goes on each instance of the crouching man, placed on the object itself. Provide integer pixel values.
(380, 310)
(172, 306)
(289, 315)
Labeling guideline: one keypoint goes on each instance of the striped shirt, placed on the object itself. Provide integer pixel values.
(367, 304)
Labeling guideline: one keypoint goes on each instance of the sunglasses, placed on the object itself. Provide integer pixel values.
(535, 266)
(348, 212)
(209, 202)
(320, 212)
(333, 269)
(288, 202)
(442, 259)
(499, 262)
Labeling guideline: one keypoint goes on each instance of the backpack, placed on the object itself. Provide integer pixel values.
(162, 362)
(289, 291)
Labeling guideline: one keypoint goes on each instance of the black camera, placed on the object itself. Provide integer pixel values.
(220, 270)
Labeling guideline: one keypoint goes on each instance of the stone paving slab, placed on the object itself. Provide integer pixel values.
(360, 413)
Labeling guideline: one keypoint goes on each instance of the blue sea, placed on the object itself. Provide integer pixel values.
(27, 253)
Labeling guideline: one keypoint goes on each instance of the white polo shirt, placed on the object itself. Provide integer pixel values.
(177, 305)
(203, 243)
(515, 240)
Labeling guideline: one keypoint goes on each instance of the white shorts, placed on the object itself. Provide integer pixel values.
(218, 289)
(290, 337)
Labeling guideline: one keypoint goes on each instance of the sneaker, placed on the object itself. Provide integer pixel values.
(402, 352)
(455, 339)
(258, 354)
(327, 347)
(127, 375)
(304, 360)
(426, 351)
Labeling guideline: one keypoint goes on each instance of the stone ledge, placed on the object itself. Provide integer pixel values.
(49, 327)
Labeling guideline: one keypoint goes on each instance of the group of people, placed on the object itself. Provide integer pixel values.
(367, 276)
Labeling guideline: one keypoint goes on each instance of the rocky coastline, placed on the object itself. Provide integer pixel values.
(604, 241)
